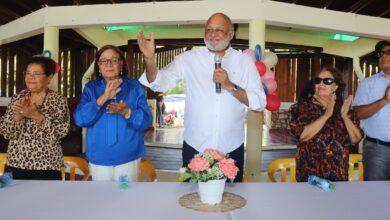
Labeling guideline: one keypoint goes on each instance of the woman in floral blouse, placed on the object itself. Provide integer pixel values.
(34, 122)
(325, 128)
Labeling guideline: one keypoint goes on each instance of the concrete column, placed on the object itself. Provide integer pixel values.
(254, 119)
(357, 69)
(51, 42)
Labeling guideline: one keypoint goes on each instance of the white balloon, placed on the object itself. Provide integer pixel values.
(270, 59)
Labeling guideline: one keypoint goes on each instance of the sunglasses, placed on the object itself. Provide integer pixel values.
(327, 81)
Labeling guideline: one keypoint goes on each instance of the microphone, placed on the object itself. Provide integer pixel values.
(218, 64)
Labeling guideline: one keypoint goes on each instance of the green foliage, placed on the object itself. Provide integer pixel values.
(180, 88)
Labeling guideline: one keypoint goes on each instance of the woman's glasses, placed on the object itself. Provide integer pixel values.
(32, 74)
(112, 61)
(327, 81)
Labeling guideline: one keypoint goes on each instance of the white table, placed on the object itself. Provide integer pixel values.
(66, 200)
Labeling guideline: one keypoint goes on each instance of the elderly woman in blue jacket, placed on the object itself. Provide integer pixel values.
(114, 110)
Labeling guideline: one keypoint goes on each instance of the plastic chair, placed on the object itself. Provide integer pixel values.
(75, 163)
(283, 165)
(245, 179)
(3, 161)
(355, 159)
(148, 168)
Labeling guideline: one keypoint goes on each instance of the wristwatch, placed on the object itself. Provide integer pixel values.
(234, 90)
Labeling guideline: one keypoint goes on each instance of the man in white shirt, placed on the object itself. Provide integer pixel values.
(212, 120)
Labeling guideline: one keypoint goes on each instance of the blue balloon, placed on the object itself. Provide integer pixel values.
(48, 52)
(258, 52)
(265, 89)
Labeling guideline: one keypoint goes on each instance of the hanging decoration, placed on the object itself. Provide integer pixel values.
(47, 53)
(264, 63)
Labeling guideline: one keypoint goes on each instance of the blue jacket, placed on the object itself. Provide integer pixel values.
(112, 139)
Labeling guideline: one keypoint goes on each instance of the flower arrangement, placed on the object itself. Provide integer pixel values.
(209, 165)
(170, 117)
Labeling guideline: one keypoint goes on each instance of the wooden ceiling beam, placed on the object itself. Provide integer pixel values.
(6, 11)
(26, 5)
(328, 4)
(358, 6)
(383, 13)
(49, 3)
(75, 37)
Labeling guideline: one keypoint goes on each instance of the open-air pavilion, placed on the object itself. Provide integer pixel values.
(304, 34)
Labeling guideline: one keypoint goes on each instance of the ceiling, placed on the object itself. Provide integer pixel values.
(375, 8)
(13, 9)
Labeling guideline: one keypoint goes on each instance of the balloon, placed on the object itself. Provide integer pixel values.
(268, 75)
(258, 52)
(48, 52)
(270, 84)
(261, 67)
(250, 53)
(275, 93)
(273, 103)
(270, 59)
(265, 88)
(58, 68)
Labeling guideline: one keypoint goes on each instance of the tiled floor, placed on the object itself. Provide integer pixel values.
(276, 138)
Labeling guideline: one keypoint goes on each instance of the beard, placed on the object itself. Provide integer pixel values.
(221, 45)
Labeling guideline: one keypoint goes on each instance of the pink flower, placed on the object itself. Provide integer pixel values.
(228, 168)
(199, 164)
(216, 154)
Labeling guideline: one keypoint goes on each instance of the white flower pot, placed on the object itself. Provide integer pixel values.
(211, 192)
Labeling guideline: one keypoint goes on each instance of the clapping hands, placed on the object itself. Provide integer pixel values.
(120, 108)
(330, 106)
(346, 106)
(112, 89)
(24, 108)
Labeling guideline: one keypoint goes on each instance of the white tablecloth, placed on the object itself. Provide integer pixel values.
(67, 200)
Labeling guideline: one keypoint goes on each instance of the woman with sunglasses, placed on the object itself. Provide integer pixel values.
(35, 121)
(325, 128)
(114, 110)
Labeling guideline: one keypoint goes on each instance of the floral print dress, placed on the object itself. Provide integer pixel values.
(327, 154)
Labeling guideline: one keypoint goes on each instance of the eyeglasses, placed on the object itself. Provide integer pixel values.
(112, 61)
(327, 81)
(382, 53)
(33, 74)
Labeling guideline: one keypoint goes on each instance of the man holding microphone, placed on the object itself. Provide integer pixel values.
(213, 119)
